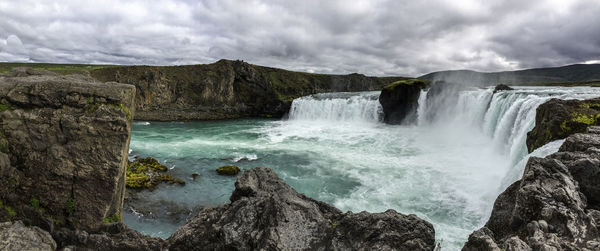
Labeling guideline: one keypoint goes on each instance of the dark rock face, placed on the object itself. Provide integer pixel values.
(64, 147)
(226, 89)
(399, 100)
(267, 214)
(557, 119)
(553, 207)
(113, 236)
(16, 236)
(502, 87)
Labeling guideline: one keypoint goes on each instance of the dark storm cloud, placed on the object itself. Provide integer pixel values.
(375, 37)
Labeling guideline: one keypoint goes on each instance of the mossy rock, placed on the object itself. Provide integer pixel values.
(412, 81)
(228, 170)
(557, 119)
(147, 173)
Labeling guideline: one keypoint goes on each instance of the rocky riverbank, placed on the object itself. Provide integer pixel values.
(226, 89)
(553, 207)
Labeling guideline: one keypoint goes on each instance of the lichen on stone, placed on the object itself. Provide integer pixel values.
(147, 173)
(228, 170)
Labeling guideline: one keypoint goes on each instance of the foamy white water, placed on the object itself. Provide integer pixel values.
(448, 169)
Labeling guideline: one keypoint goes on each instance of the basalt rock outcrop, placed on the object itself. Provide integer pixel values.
(226, 89)
(399, 100)
(557, 119)
(502, 87)
(64, 144)
(267, 214)
(553, 207)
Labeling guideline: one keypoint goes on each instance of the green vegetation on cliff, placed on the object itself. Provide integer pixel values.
(412, 81)
(63, 69)
(557, 119)
(226, 89)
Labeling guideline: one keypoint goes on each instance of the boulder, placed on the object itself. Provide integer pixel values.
(228, 170)
(502, 87)
(267, 214)
(399, 100)
(557, 119)
(64, 142)
(16, 236)
(108, 236)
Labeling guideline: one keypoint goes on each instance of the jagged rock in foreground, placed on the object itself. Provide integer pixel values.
(267, 214)
(553, 207)
(399, 100)
(64, 142)
(557, 119)
(16, 236)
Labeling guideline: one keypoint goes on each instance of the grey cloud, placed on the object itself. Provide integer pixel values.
(374, 37)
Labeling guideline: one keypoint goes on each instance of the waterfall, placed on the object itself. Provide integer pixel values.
(339, 106)
(505, 117)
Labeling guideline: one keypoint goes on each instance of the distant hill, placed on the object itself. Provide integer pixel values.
(565, 75)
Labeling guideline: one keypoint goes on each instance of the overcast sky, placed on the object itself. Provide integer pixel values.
(373, 37)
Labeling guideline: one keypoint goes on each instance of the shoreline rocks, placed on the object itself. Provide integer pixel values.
(147, 173)
(553, 207)
(399, 100)
(266, 213)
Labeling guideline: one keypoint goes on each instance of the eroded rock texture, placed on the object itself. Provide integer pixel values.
(63, 149)
(553, 207)
(267, 214)
(14, 236)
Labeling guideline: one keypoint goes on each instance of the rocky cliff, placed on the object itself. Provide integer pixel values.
(553, 207)
(267, 214)
(399, 100)
(61, 139)
(226, 89)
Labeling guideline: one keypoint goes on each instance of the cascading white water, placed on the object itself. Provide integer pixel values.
(505, 117)
(339, 106)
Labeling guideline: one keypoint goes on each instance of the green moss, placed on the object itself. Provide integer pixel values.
(4, 107)
(122, 108)
(413, 81)
(112, 218)
(35, 203)
(135, 180)
(70, 205)
(91, 107)
(147, 173)
(11, 212)
(57, 222)
(585, 119)
(228, 170)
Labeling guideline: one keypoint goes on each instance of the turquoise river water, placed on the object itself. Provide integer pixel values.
(447, 168)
